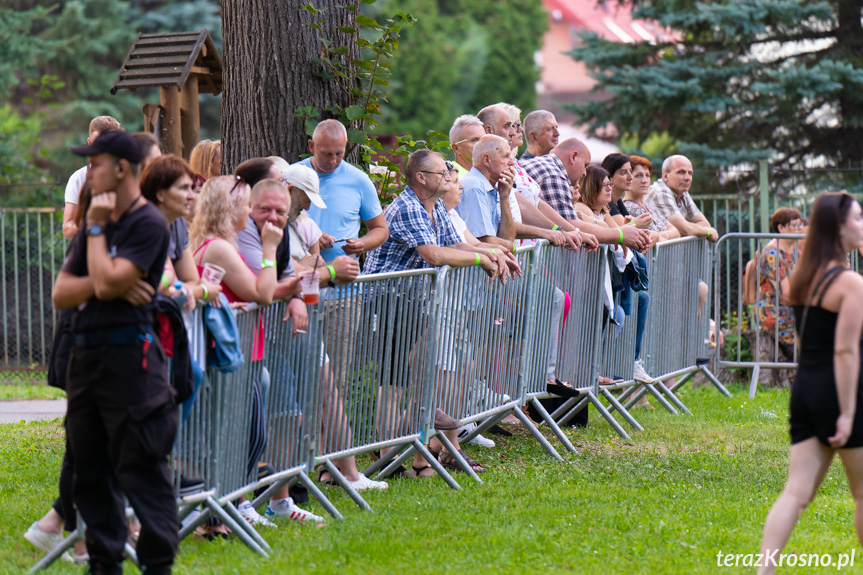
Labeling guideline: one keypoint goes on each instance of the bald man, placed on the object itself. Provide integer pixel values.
(557, 173)
(350, 195)
(670, 196)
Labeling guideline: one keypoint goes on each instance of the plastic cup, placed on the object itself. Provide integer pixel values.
(213, 274)
(310, 287)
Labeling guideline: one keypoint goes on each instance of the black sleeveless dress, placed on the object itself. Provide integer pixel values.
(814, 401)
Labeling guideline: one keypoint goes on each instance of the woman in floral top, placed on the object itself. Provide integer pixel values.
(633, 200)
(776, 262)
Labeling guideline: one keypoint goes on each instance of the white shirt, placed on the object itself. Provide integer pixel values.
(304, 233)
(458, 223)
(73, 187)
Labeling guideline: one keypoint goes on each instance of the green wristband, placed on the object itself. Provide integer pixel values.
(205, 290)
(513, 248)
(555, 227)
(166, 281)
(620, 239)
(708, 232)
(476, 263)
(332, 272)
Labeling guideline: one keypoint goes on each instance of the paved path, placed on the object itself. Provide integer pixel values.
(31, 410)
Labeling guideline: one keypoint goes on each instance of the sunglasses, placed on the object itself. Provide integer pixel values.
(236, 189)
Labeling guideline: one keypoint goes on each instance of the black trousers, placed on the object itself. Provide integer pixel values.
(121, 423)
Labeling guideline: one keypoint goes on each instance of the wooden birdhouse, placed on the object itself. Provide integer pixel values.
(182, 65)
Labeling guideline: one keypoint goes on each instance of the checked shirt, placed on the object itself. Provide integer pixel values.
(548, 171)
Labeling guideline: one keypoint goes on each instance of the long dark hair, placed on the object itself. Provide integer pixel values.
(823, 242)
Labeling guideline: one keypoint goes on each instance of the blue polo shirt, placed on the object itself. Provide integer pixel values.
(350, 197)
(480, 205)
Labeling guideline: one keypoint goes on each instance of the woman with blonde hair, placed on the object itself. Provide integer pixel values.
(206, 163)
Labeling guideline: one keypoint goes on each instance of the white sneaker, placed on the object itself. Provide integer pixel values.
(287, 509)
(639, 373)
(477, 440)
(365, 483)
(42, 540)
(251, 515)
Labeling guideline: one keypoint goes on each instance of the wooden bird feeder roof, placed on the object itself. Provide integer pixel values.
(164, 60)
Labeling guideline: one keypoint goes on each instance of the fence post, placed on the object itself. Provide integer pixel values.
(764, 195)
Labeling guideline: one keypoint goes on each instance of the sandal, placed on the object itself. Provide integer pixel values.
(324, 476)
(562, 388)
(399, 471)
(449, 462)
(419, 471)
(609, 381)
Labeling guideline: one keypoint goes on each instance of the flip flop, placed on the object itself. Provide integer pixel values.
(419, 471)
(449, 462)
(562, 388)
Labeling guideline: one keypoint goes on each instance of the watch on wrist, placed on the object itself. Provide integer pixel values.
(95, 230)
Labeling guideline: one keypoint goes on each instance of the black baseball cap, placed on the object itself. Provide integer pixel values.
(115, 142)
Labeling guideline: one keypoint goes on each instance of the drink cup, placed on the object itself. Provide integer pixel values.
(213, 274)
(310, 287)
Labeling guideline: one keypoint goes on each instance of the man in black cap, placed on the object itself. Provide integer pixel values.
(121, 418)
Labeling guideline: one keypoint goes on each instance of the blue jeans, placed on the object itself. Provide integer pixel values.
(643, 305)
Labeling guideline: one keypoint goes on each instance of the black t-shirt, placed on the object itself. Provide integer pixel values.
(142, 238)
(179, 240)
(617, 208)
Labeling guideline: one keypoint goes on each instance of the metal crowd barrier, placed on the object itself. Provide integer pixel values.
(379, 337)
(676, 340)
(483, 349)
(749, 343)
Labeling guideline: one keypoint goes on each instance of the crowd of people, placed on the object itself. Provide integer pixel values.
(141, 224)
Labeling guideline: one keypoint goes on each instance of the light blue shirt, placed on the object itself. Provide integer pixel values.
(480, 205)
(351, 198)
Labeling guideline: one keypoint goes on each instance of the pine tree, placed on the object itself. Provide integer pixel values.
(740, 80)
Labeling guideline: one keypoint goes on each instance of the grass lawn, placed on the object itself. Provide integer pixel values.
(668, 502)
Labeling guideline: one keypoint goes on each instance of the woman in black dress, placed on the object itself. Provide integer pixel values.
(826, 299)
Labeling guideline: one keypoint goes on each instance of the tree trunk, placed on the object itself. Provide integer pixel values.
(268, 48)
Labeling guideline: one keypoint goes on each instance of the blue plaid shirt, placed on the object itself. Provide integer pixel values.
(410, 226)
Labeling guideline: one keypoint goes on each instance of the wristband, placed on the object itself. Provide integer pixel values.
(476, 263)
(620, 239)
(205, 290)
(632, 223)
(166, 281)
(265, 263)
(494, 251)
(513, 248)
(708, 232)
(332, 272)
(555, 227)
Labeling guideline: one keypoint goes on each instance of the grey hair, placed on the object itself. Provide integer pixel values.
(460, 124)
(533, 122)
(491, 145)
(330, 128)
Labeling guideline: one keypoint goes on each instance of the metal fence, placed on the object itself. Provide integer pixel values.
(32, 253)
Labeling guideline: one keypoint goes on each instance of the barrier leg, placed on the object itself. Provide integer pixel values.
(558, 432)
(250, 530)
(343, 482)
(528, 424)
(381, 463)
(659, 397)
(236, 524)
(436, 465)
(681, 381)
(397, 462)
(61, 548)
(716, 383)
(457, 456)
(269, 491)
(319, 495)
(673, 398)
(623, 412)
(576, 406)
(608, 417)
(753, 383)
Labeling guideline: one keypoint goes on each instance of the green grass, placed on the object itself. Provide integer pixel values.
(16, 391)
(667, 502)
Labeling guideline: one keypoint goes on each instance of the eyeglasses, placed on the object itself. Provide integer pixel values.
(445, 174)
(517, 126)
(236, 187)
(474, 140)
(797, 225)
(607, 184)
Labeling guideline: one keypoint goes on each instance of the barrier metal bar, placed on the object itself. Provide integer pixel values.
(292, 395)
(482, 348)
(379, 336)
(680, 270)
(214, 445)
(773, 346)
